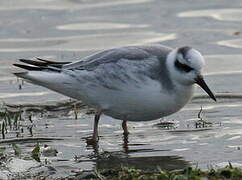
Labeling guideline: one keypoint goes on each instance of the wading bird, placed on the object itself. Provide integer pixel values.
(133, 83)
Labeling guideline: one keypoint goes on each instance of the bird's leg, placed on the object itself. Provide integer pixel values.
(125, 128)
(95, 128)
(94, 139)
(125, 136)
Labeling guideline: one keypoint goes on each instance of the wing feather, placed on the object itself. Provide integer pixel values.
(40, 64)
(132, 53)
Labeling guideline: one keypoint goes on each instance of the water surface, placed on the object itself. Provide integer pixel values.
(71, 29)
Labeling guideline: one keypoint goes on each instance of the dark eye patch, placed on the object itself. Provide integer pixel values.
(182, 67)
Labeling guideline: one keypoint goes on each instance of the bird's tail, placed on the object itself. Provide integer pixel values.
(44, 73)
(41, 65)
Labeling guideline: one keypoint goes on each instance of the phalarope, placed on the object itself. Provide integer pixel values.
(133, 83)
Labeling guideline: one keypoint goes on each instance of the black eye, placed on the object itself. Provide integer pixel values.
(182, 67)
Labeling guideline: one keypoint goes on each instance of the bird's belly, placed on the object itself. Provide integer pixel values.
(137, 113)
(137, 102)
(140, 105)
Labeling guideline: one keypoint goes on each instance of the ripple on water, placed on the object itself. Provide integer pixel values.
(215, 106)
(235, 43)
(32, 94)
(236, 120)
(65, 5)
(233, 138)
(181, 149)
(99, 26)
(218, 14)
(223, 64)
(83, 43)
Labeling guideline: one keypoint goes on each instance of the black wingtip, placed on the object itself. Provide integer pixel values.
(30, 68)
(51, 62)
(40, 64)
(32, 62)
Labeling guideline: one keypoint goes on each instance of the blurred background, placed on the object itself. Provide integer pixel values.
(67, 30)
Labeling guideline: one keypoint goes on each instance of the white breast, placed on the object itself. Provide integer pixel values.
(144, 103)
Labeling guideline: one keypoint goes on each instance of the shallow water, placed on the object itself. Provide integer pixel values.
(71, 29)
(218, 14)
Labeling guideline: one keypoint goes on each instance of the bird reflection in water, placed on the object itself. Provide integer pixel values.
(127, 157)
(95, 146)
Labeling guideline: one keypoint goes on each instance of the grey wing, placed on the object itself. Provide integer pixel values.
(126, 65)
(132, 53)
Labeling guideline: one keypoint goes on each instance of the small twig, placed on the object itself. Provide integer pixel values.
(30, 118)
(3, 130)
(199, 114)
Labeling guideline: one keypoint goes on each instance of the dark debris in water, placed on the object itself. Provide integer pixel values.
(19, 119)
(71, 105)
(191, 125)
(166, 125)
(203, 124)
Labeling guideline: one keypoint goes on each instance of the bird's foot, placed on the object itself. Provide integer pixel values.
(92, 141)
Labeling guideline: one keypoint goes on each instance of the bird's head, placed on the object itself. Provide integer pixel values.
(185, 66)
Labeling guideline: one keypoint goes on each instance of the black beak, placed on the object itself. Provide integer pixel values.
(200, 81)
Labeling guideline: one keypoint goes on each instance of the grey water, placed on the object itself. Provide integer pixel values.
(67, 30)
